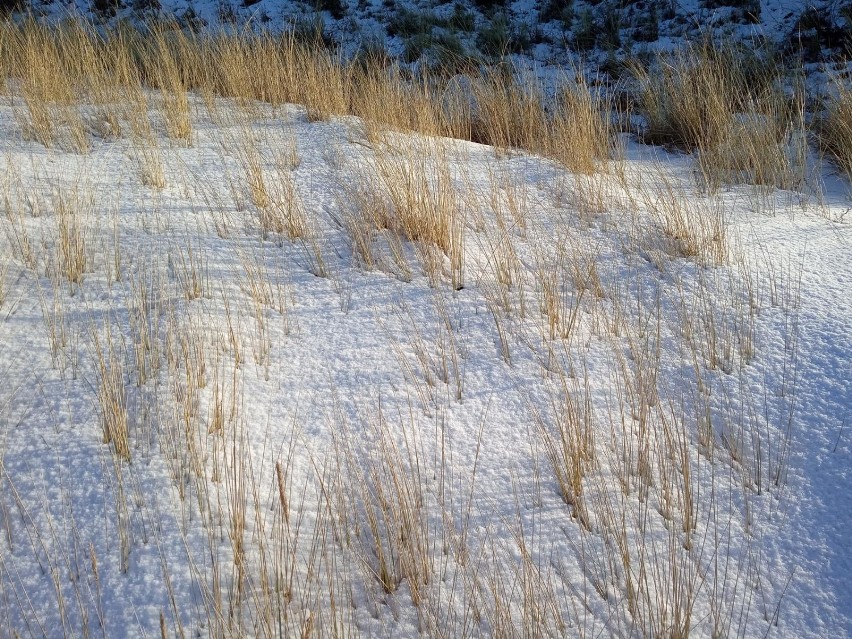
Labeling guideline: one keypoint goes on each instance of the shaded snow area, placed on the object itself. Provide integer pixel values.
(308, 378)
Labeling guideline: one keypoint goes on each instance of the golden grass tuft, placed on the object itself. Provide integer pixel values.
(511, 110)
(417, 200)
(72, 210)
(834, 131)
(111, 392)
(729, 106)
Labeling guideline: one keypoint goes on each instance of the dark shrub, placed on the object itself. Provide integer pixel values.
(11, 6)
(334, 7)
(105, 9)
(406, 23)
(494, 39)
(561, 10)
(462, 19)
(585, 31)
(814, 32)
(647, 27)
(489, 5)
(610, 36)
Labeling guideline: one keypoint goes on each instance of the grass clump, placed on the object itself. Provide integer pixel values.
(834, 130)
(691, 95)
(728, 105)
(572, 128)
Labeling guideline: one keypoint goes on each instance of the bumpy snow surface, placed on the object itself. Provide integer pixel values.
(580, 418)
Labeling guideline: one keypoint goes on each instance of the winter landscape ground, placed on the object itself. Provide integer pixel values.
(296, 347)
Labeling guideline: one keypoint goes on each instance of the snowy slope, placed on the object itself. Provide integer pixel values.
(289, 386)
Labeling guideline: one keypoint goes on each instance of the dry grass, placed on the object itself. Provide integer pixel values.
(170, 49)
(835, 129)
(406, 193)
(110, 391)
(384, 100)
(190, 269)
(689, 97)
(766, 146)
(273, 192)
(4, 286)
(385, 509)
(510, 110)
(43, 84)
(364, 212)
(423, 205)
(505, 107)
(145, 303)
(560, 301)
(730, 107)
(690, 227)
(73, 214)
(571, 449)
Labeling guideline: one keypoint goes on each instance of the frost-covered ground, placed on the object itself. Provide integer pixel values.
(611, 406)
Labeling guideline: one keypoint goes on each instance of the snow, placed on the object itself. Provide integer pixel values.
(333, 364)
(825, 397)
